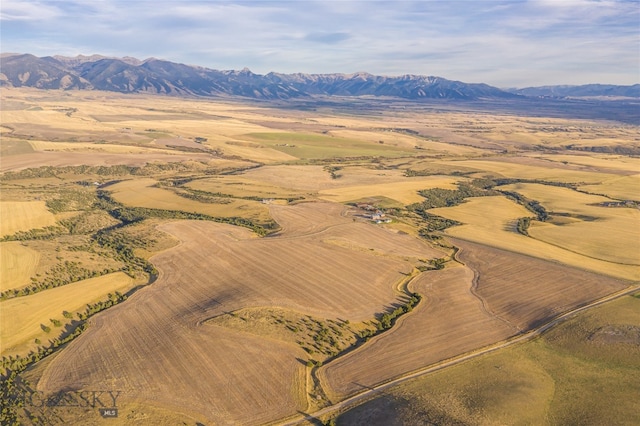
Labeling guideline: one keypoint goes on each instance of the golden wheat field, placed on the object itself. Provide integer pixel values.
(498, 230)
(582, 225)
(313, 224)
(142, 193)
(23, 318)
(17, 264)
(23, 216)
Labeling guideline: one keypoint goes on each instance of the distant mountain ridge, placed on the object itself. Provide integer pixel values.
(582, 91)
(130, 75)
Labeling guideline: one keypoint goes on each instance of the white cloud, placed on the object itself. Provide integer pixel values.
(14, 10)
(499, 42)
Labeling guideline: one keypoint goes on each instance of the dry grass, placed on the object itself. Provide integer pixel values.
(22, 317)
(22, 216)
(17, 264)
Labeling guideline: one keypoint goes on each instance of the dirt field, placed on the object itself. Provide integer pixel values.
(438, 329)
(207, 275)
(525, 291)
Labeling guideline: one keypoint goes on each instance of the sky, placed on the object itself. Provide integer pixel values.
(503, 43)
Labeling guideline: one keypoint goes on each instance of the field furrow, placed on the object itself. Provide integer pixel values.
(157, 347)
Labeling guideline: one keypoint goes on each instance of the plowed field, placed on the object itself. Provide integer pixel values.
(157, 348)
(526, 291)
(496, 295)
(450, 320)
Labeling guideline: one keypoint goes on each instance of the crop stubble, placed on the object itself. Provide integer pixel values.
(158, 347)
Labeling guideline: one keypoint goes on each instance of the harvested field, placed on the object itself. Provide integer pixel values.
(60, 159)
(497, 229)
(24, 215)
(204, 368)
(238, 186)
(141, 193)
(95, 148)
(449, 321)
(302, 178)
(405, 191)
(400, 140)
(349, 186)
(17, 264)
(620, 163)
(22, 318)
(521, 170)
(314, 146)
(579, 225)
(621, 188)
(527, 292)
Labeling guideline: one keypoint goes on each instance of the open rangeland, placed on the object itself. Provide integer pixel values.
(24, 215)
(158, 346)
(538, 382)
(17, 264)
(26, 318)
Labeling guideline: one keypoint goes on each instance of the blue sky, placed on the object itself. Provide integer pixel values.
(503, 43)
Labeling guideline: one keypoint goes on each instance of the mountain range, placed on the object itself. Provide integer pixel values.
(131, 75)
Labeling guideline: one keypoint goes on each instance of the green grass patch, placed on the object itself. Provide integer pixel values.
(314, 146)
